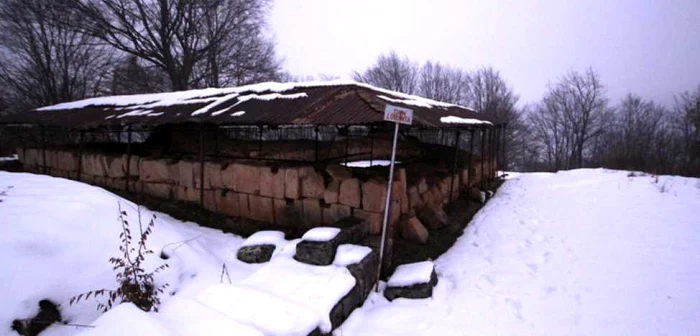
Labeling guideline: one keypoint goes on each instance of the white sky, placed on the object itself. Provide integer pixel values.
(648, 47)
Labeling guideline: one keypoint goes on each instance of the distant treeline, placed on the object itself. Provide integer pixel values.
(574, 125)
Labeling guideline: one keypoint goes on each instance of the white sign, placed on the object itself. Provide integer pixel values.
(398, 115)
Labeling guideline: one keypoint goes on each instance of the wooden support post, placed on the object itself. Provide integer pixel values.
(371, 145)
(483, 155)
(43, 149)
(505, 143)
(128, 158)
(260, 142)
(471, 157)
(201, 162)
(347, 143)
(454, 165)
(81, 142)
(316, 144)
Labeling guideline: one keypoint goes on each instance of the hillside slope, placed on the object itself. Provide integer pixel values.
(584, 252)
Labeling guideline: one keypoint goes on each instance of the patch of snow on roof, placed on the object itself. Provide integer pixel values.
(348, 254)
(412, 102)
(321, 234)
(412, 274)
(271, 96)
(156, 114)
(216, 103)
(367, 163)
(148, 100)
(460, 120)
(237, 113)
(265, 238)
(212, 95)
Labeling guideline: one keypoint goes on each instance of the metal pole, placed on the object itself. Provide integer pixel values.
(128, 158)
(454, 164)
(387, 204)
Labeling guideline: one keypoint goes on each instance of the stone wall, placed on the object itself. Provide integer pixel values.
(306, 196)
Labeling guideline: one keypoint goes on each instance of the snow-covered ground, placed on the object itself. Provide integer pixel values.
(584, 252)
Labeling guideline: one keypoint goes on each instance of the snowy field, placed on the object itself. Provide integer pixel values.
(585, 252)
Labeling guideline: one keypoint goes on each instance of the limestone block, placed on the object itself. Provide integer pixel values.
(291, 183)
(162, 190)
(312, 183)
(422, 185)
(246, 178)
(373, 195)
(185, 173)
(280, 207)
(243, 206)
(227, 203)
(210, 200)
(261, 208)
(414, 199)
(413, 230)
(330, 195)
(339, 173)
(186, 194)
(312, 213)
(272, 184)
(350, 193)
(212, 175)
(154, 170)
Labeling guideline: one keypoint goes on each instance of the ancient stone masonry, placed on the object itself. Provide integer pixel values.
(306, 196)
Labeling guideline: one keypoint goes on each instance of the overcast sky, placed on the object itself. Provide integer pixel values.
(648, 47)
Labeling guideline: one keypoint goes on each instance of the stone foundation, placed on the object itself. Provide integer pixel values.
(305, 196)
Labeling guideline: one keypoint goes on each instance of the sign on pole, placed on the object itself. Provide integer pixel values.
(397, 115)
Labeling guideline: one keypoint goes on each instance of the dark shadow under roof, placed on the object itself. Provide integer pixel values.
(308, 103)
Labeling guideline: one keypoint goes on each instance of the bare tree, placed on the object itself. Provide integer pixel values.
(573, 112)
(130, 76)
(490, 94)
(175, 35)
(391, 72)
(443, 83)
(42, 61)
(687, 126)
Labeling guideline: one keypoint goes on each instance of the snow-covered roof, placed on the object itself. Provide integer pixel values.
(338, 102)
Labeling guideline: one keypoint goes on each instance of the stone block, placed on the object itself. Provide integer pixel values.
(272, 183)
(413, 230)
(365, 274)
(280, 211)
(374, 219)
(414, 199)
(227, 202)
(431, 217)
(186, 194)
(330, 214)
(212, 175)
(422, 185)
(261, 208)
(338, 172)
(186, 173)
(243, 206)
(350, 193)
(210, 200)
(246, 178)
(291, 183)
(373, 195)
(418, 291)
(330, 195)
(162, 190)
(312, 183)
(312, 211)
(153, 170)
(319, 253)
(256, 254)
(227, 177)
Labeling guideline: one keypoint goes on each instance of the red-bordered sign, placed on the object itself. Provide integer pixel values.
(399, 115)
